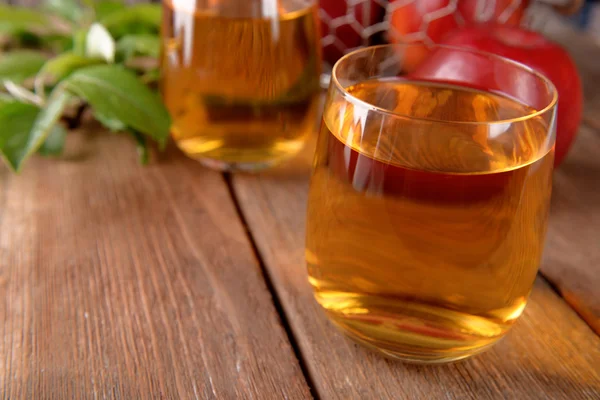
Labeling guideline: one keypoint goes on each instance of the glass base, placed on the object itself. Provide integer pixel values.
(223, 166)
(415, 355)
(232, 159)
(420, 334)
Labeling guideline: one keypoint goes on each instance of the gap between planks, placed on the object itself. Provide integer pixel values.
(556, 289)
(308, 328)
(227, 176)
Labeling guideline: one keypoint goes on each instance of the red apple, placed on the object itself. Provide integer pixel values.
(527, 47)
(343, 25)
(422, 19)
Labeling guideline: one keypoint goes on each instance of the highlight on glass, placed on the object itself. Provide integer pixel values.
(429, 198)
(241, 79)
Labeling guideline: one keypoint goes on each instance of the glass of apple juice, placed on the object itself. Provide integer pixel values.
(429, 198)
(240, 79)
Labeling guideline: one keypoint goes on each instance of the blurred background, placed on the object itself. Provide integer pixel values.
(347, 24)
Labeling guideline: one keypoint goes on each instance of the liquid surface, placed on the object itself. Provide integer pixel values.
(423, 238)
(241, 84)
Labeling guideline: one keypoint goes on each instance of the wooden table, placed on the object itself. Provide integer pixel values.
(172, 281)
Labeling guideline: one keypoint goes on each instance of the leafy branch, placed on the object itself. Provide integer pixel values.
(68, 56)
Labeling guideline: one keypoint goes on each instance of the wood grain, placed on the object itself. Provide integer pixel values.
(127, 282)
(572, 257)
(551, 352)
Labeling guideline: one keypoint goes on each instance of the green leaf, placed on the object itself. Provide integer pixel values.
(64, 65)
(141, 44)
(51, 113)
(114, 125)
(140, 18)
(44, 124)
(105, 8)
(13, 19)
(25, 127)
(57, 43)
(117, 93)
(16, 120)
(55, 142)
(142, 147)
(21, 93)
(99, 43)
(79, 39)
(19, 65)
(5, 99)
(69, 9)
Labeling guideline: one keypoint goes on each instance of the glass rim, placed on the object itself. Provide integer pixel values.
(551, 104)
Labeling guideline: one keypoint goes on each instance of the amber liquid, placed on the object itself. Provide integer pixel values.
(424, 238)
(242, 91)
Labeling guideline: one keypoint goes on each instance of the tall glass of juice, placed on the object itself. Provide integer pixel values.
(240, 78)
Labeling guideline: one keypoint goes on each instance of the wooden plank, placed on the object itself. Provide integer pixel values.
(551, 352)
(126, 282)
(572, 258)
